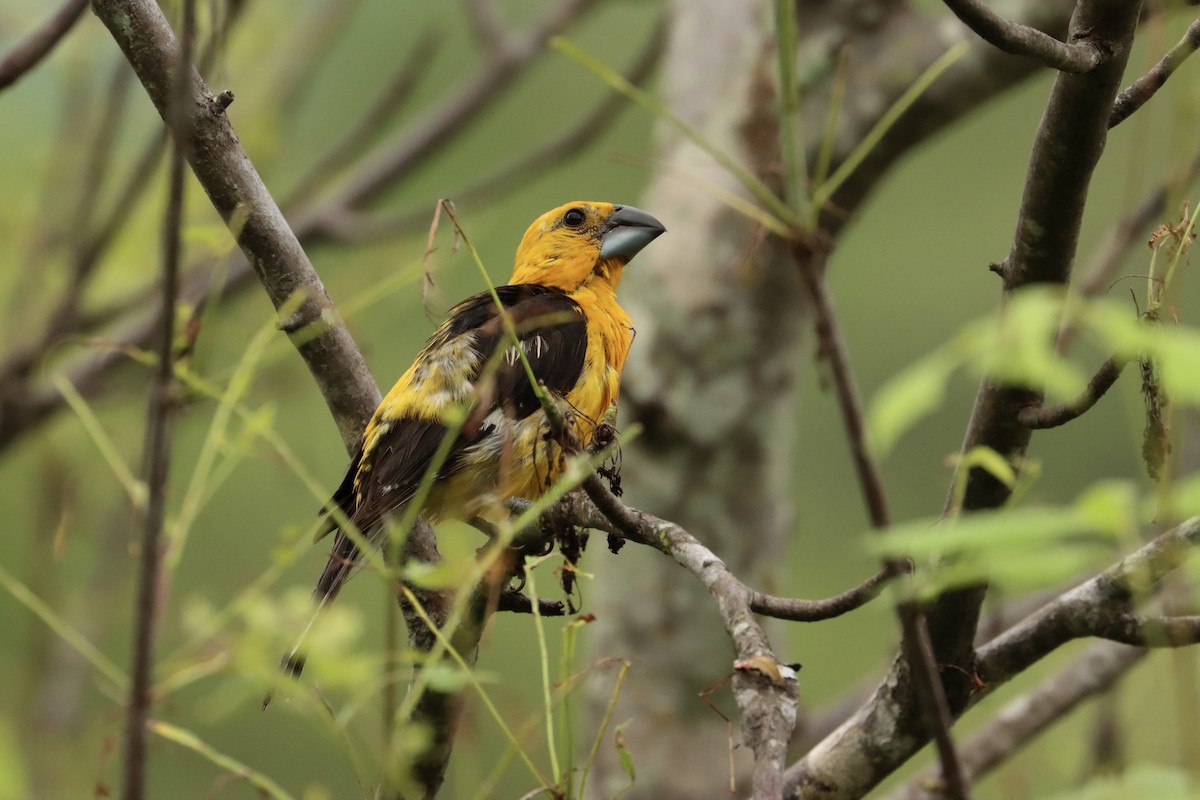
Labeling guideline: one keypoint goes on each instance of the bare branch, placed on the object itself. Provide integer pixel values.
(37, 45)
(1145, 631)
(1097, 607)
(239, 196)
(1021, 720)
(487, 25)
(765, 689)
(1041, 417)
(816, 610)
(810, 259)
(1013, 37)
(1141, 90)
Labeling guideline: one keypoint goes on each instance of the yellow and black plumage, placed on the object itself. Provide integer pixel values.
(561, 301)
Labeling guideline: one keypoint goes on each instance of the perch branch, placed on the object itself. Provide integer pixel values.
(38, 44)
(1022, 40)
(1141, 90)
(765, 690)
(1040, 417)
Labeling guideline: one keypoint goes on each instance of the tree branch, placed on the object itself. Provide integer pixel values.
(797, 610)
(1097, 607)
(1013, 37)
(1041, 417)
(38, 44)
(239, 196)
(1141, 90)
(1067, 147)
(765, 689)
(1020, 721)
(1094, 608)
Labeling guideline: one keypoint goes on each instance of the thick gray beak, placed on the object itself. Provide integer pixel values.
(626, 231)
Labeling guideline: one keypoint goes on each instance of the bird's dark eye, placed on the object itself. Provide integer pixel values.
(574, 217)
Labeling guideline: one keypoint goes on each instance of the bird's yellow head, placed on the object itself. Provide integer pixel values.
(582, 241)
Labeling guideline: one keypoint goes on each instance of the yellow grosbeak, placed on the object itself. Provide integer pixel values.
(561, 301)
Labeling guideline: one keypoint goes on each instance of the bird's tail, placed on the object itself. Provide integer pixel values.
(337, 571)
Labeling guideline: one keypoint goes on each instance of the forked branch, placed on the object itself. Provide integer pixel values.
(1022, 40)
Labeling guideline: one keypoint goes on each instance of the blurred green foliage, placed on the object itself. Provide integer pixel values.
(252, 461)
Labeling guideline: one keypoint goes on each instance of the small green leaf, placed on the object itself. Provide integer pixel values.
(623, 755)
(907, 398)
(990, 462)
(1022, 351)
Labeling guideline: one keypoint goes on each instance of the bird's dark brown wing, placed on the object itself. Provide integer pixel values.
(552, 331)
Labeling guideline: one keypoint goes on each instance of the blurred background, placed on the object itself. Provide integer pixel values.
(908, 273)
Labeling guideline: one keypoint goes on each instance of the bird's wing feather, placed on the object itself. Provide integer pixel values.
(552, 331)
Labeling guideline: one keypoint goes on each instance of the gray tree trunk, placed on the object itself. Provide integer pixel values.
(712, 380)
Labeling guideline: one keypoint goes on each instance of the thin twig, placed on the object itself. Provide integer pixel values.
(38, 44)
(797, 610)
(1013, 37)
(810, 257)
(158, 429)
(1040, 417)
(1141, 90)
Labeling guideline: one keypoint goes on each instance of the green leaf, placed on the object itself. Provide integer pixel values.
(990, 462)
(1022, 348)
(624, 756)
(907, 398)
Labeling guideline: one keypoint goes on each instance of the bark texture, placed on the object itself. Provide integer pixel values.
(712, 380)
